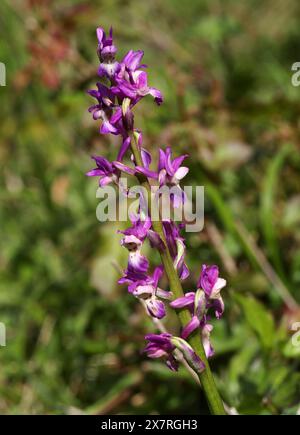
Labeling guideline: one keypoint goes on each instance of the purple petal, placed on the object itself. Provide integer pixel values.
(162, 177)
(133, 59)
(158, 272)
(131, 276)
(108, 69)
(168, 163)
(208, 278)
(193, 324)
(141, 81)
(93, 108)
(218, 306)
(103, 90)
(100, 35)
(131, 242)
(143, 226)
(156, 308)
(172, 363)
(162, 340)
(184, 301)
(108, 52)
(147, 172)
(116, 116)
(184, 273)
(154, 352)
(107, 127)
(200, 304)
(95, 173)
(138, 262)
(178, 160)
(155, 240)
(103, 164)
(143, 291)
(177, 198)
(158, 98)
(124, 147)
(146, 157)
(98, 114)
(124, 168)
(181, 173)
(93, 93)
(105, 181)
(163, 294)
(206, 330)
(140, 139)
(162, 160)
(126, 88)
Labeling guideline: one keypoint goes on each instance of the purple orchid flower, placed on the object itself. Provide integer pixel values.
(138, 264)
(132, 275)
(104, 109)
(206, 297)
(199, 319)
(137, 88)
(112, 119)
(116, 121)
(161, 346)
(133, 240)
(140, 284)
(196, 304)
(105, 170)
(169, 173)
(106, 52)
(132, 62)
(139, 227)
(212, 285)
(148, 290)
(131, 82)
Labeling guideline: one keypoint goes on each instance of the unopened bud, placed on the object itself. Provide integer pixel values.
(189, 354)
(127, 115)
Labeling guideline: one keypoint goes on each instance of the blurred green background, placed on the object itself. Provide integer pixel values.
(74, 337)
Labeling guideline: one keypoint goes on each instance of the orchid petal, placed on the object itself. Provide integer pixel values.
(158, 272)
(157, 95)
(147, 172)
(185, 301)
(124, 168)
(181, 172)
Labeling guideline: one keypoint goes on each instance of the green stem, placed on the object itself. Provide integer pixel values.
(206, 378)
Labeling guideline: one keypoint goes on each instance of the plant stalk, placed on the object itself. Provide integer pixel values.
(206, 378)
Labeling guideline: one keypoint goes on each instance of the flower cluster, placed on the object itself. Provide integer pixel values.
(122, 85)
(199, 303)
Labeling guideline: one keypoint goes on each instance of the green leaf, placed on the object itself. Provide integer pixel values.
(259, 319)
(268, 205)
